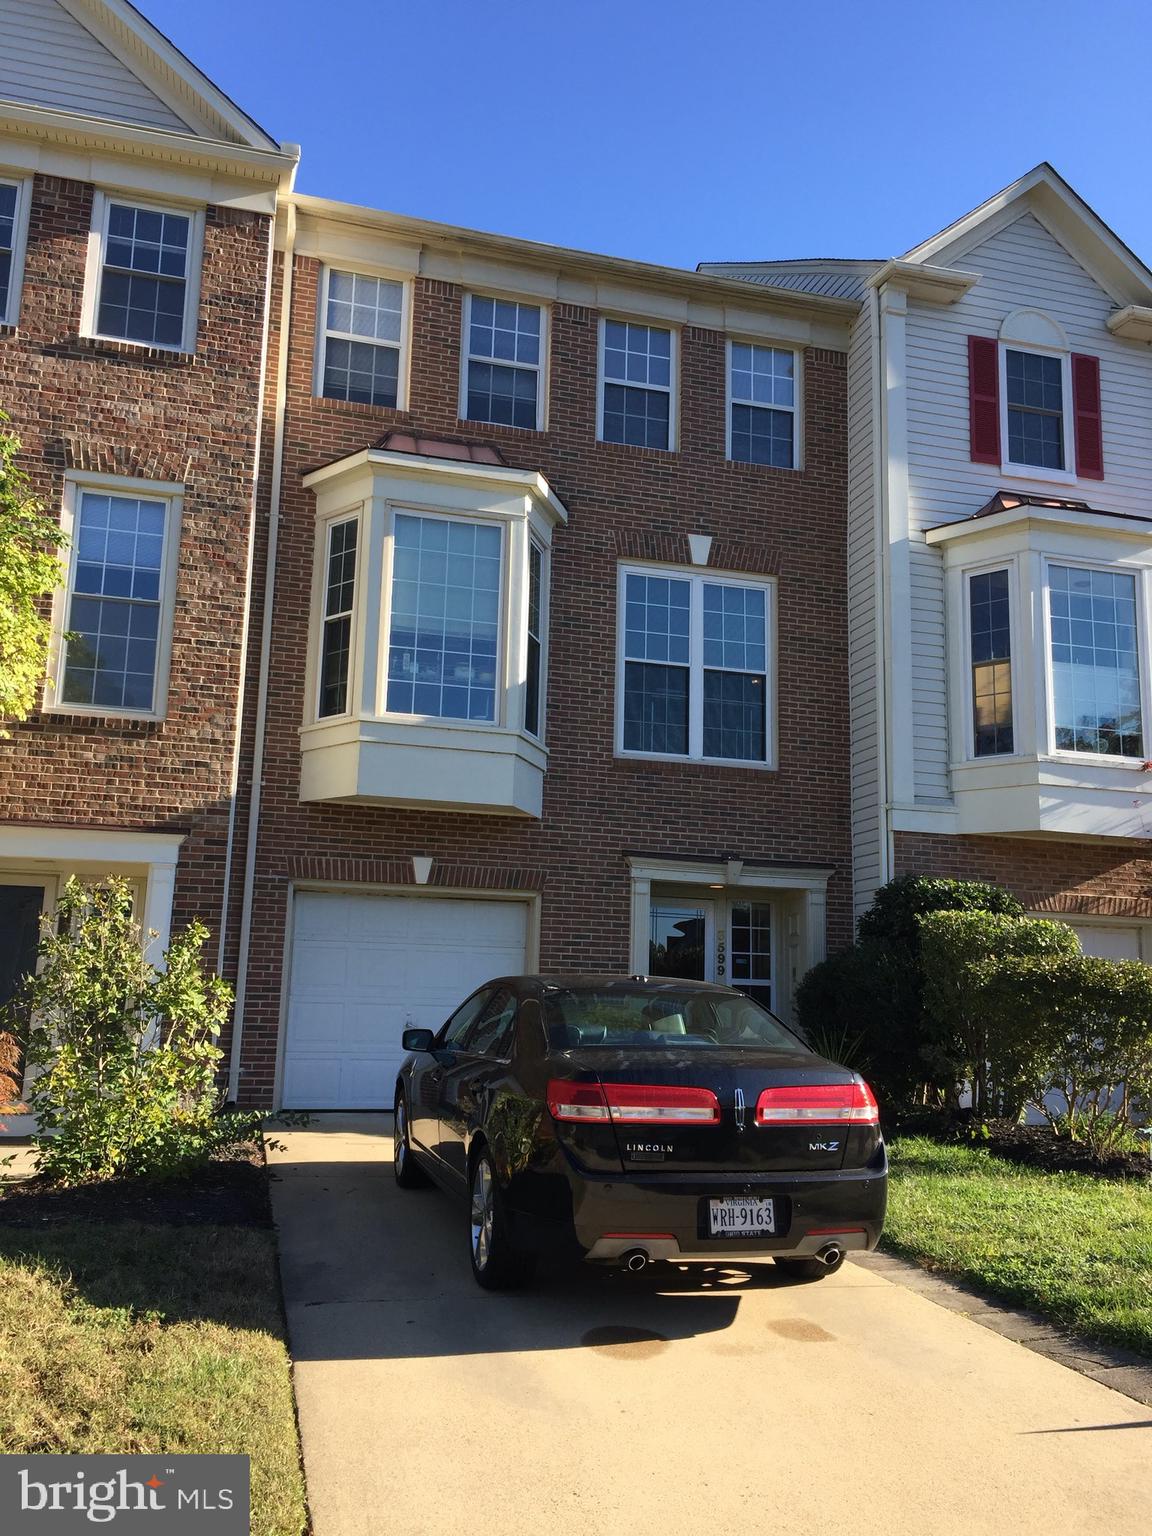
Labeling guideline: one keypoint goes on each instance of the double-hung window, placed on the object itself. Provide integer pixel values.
(362, 323)
(443, 641)
(762, 405)
(1034, 400)
(990, 644)
(148, 273)
(637, 384)
(118, 609)
(503, 355)
(339, 593)
(695, 667)
(1096, 682)
(533, 703)
(13, 217)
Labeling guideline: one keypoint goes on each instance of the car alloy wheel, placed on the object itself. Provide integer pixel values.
(496, 1261)
(483, 1214)
(405, 1169)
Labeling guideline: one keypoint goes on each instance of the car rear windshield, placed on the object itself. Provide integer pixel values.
(660, 1020)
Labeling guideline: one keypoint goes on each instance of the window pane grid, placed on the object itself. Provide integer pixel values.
(637, 384)
(750, 946)
(143, 284)
(990, 637)
(363, 322)
(443, 641)
(1095, 661)
(676, 630)
(1035, 401)
(762, 391)
(114, 608)
(336, 643)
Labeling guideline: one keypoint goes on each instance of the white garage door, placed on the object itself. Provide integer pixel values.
(1113, 943)
(364, 968)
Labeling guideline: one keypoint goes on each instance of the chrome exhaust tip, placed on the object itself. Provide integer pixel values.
(829, 1255)
(635, 1260)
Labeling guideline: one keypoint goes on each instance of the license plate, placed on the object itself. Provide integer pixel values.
(734, 1217)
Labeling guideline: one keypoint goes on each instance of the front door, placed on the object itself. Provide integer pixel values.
(727, 941)
(20, 909)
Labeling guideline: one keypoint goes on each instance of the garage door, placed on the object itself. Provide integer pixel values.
(1119, 942)
(364, 968)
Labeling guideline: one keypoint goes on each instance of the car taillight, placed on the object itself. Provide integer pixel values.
(633, 1103)
(818, 1104)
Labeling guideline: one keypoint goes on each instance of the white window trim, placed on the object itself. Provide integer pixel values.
(540, 368)
(173, 495)
(1067, 475)
(796, 408)
(94, 269)
(318, 621)
(698, 578)
(987, 568)
(540, 733)
(23, 185)
(384, 274)
(504, 648)
(672, 388)
(1143, 631)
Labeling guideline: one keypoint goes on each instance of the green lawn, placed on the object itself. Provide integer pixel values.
(1075, 1248)
(132, 1337)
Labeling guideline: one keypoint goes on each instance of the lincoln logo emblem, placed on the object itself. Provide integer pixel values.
(739, 1109)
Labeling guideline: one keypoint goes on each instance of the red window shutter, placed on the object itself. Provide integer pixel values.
(984, 400)
(1086, 414)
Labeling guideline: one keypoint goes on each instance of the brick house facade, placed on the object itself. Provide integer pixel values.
(612, 829)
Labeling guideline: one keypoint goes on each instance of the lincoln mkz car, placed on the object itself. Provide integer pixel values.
(628, 1119)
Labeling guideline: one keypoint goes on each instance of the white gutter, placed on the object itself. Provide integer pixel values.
(274, 488)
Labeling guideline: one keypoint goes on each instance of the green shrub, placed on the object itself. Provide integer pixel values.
(1095, 1017)
(871, 995)
(977, 1031)
(123, 1057)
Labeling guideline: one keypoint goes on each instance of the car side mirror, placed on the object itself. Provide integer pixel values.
(417, 1039)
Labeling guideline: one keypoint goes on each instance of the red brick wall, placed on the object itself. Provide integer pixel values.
(596, 807)
(1093, 879)
(123, 409)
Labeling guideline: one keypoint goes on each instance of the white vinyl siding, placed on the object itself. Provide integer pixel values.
(1020, 266)
(863, 611)
(50, 60)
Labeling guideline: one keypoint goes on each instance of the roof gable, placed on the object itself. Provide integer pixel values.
(102, 59)
(1066, 217)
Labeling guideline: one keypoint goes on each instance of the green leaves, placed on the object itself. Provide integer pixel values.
(123, 1056)
(29, 570)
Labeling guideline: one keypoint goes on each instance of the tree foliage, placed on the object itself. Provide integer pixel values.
(122, 1056)
(29, 570)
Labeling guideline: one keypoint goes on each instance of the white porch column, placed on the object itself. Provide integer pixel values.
(641, 924)
(158, 911)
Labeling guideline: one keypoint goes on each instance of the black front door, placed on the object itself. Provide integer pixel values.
(20, 909)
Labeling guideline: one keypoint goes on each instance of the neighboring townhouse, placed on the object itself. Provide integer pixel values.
(556, 662)
(136, 214)
(1000, 585)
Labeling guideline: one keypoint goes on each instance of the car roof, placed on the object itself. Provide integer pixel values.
(596, 980)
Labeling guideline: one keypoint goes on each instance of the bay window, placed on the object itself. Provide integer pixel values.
(990, 637)
(1096, 682)
(694, 659)
(428, 660)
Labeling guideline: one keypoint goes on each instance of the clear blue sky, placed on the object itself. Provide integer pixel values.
(677, 132)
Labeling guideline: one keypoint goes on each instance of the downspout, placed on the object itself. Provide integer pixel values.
(882, 551)
(249, 575)
(274, 490)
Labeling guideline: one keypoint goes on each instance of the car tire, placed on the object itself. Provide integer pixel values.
(497, 1264)
(406, 1170)
(808, 1269)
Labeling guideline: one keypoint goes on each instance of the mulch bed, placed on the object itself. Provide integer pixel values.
(230, 1191)
(1037, 1146)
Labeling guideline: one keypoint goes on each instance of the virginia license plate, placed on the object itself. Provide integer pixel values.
(737, 1217)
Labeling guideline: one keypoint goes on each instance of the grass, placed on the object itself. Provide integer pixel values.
(1075, 1248)
(134, 1337)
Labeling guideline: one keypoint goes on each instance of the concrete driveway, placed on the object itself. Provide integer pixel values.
(670, 1402)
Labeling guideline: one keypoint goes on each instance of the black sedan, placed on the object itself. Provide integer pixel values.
(628, 1119)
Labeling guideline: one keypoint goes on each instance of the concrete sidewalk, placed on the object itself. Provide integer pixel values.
(667, 1402)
